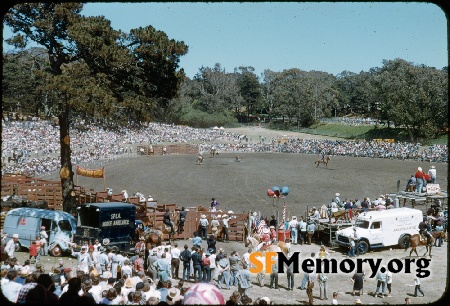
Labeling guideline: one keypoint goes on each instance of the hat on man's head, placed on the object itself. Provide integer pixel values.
(266, 231)
(419, 169)
(202, 216)
(221, 250)
(173, 296)
(25, 271)
(271, 226)
(15, 235)
(141, 238)
(338, 194)
(266, 299)
(432, 167)
(294, 217)
(255, 213)
(358, 302)
(224, 216)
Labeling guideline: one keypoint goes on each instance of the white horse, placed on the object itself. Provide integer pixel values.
(257, 246)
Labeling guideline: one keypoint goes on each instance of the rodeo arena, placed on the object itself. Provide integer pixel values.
(129, 248)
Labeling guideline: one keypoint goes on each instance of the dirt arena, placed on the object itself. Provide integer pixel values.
(242, 187)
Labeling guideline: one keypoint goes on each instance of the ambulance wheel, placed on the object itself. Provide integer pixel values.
(403, 242)
(56, 251)
(362, 247)
(17, 247)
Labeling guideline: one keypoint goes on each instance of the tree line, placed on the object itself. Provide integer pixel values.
(85, 68)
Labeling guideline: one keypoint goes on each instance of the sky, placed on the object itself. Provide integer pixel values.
(329, 37)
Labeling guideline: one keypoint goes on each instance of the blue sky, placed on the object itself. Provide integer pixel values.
(330, 37)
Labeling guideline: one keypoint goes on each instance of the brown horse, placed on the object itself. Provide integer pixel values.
(214, 152)
(324, 161)
(415, 241)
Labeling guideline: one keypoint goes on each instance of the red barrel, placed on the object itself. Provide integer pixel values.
(282, 235)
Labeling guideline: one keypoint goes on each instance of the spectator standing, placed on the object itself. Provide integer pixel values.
(203, 226)
(381, 281)
(358, 283)
(215, 225)
(302, 227)
(175, 261)
(438, 228)
(293, 227)
(417, 287)
(185, 257)
(44, 237)
(197, 240)
(84, 259)
(420, 180)
(323, 285)
(310, 287)
(432, 174)
(274, 273)
(162, 268)
(389, 282)
(206, 261)
(244, 280)
(225, 225)
(310, 228)
(290, 277)
(223, 267)
(11, 245)
(197, 263)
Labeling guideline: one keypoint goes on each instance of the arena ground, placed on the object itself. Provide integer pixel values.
(242, 186)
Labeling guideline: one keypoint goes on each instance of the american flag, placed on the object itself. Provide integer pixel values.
(260, 224)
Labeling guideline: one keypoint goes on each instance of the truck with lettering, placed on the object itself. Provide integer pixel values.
(111, 223)
(385, 228)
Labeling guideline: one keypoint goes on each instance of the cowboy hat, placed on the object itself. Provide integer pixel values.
(220, 250)
(271, 226)
(225, 216)
(141, 238)
(266, 231)
(432, 167)
(255, 213)
(15, 235)
(128, 283)
(294, 217)
(173, 296)
(419, 169)
(230, 212)
(219, 216)
(338, 194)
(123, 191)
(358, 302)
(266, 299)
(202, 216)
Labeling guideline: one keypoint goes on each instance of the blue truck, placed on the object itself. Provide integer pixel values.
(112, 223)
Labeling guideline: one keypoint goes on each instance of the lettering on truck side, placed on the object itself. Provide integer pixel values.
(115, 223)
(404, 228)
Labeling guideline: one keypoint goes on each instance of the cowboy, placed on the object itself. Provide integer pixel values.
(203, 223)
(424, 229)
(183, 214)
(432, 173)
(167, 220)
(323, 155)
(215, 226)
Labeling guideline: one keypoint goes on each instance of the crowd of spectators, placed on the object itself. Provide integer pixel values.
(36, 147)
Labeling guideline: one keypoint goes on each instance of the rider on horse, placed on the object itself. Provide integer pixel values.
(424, 229)
(323, 155)
(167, 220)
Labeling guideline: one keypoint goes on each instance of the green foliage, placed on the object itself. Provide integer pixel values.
(200, 119)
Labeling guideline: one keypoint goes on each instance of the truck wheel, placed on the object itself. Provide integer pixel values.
(362, 247)
(17, 247)
(403, 242)
(56, 251)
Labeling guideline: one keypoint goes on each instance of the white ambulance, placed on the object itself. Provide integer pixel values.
(385, 228)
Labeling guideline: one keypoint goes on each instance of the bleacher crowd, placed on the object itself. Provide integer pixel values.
(36, 146)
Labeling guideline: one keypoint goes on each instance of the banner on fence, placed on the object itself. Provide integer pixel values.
(94, 173)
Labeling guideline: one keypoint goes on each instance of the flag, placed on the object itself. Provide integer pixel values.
(260, 225)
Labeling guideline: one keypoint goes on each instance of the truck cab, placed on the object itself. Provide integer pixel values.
(377, 229)
(112, 223)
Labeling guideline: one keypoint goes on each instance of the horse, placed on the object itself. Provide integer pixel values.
(199, 159)
(214, 152)
(415, 241)
(325, 161)
(16, 157)
(438, 234)
(259, 246)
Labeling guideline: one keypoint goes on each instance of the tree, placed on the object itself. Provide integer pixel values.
(250, 89)
(97, 70)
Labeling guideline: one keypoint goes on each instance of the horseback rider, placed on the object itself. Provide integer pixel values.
(424, 229)
(167, 220)
(323, 155)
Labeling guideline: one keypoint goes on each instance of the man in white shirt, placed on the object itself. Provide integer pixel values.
(11, 288)
(175, 261)
(84, 259)
(11, 245)
(44, 237)
(293, 227)
(432, 173)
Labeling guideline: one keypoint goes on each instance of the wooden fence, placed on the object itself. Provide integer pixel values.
(170, 149)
